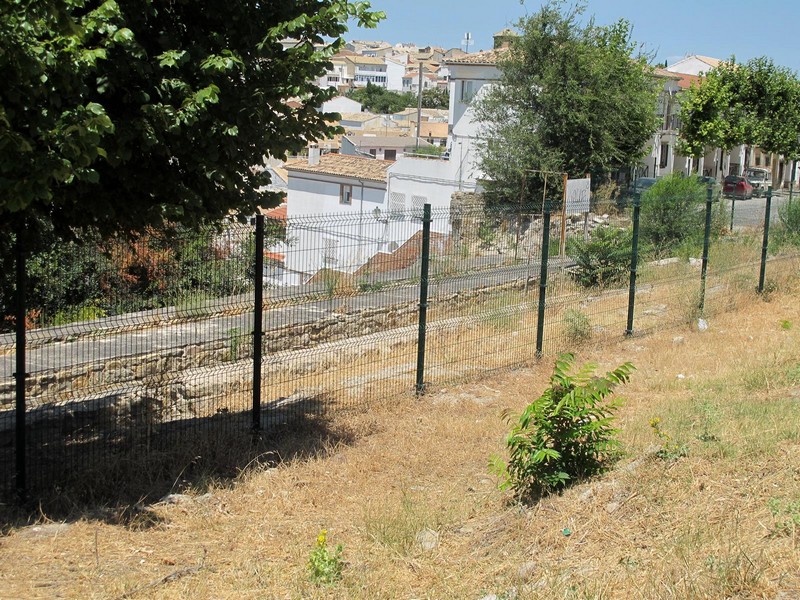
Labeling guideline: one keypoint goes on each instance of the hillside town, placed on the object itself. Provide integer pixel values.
(386, 164)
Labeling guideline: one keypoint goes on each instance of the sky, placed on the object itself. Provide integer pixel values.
(670, 29)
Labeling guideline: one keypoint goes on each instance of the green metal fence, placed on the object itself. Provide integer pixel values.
(125, 349)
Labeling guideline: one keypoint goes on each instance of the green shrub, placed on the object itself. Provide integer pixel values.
(603, 259)
(673, 213)
(577, 326)
(789, 230)
(564, 435)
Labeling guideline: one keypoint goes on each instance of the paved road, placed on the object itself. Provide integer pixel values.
(750, 213)
(93, 349)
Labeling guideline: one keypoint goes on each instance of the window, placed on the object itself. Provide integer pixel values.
(467, 90)
(390, 155)
(345, 194)
(664, 156)
(397, 206)
(418, 206)
(758, 160)
(330, 251)
(373, 151)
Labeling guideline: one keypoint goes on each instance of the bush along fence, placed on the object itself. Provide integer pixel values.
(116, 352)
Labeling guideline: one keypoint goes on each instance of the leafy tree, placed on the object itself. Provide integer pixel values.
(381, 101)
(571, 98)
(755, 103)
(436, 98)
(121, 114)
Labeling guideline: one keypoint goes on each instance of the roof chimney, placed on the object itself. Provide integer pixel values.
(313, 155)
(503, 39)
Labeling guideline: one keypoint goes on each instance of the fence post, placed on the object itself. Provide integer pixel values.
(637, 205)
(543, 278)
(706, 239)
(733, 209)
(20, 447)
(423, 298)
(765, 244)
(258, 321)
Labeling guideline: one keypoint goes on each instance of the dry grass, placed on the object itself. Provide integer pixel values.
(716, 523)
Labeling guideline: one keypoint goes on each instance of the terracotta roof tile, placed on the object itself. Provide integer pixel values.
(659, 72)
(354, 167)
(278, 213)
(366, 60)
(687, 81)
(489, 57)
(433, 130)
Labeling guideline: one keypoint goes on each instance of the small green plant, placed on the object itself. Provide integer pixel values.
(670, 449)
(709, 412)
(87, 312)
(789, 215)
(487, 233)
(786, 324)
(566, 434)
(603, 259)
(235, 335)
(331, 281)
(193, 305)
(786, 515)
(371, 286)
(577, 326)
(325, 565)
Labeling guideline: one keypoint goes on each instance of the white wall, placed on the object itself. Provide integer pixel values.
(431, 181)
(690, 65)
(394, 75)
(317, 221)
(478, 75)
(341, 104)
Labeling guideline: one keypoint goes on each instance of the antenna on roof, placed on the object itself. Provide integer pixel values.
(467, 41)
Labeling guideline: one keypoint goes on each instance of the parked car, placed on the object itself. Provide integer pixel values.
(737, 187)
(637, 187)
(642, 184)
(759, 178)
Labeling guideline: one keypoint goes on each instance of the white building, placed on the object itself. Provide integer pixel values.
(369, 69)
(342, 105)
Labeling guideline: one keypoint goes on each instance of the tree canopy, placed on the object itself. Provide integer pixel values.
(753, 103)
(379, 100)
(436, 98)
(118, 114)
(571, 98)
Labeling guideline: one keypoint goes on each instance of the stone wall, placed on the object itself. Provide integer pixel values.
(185, 381)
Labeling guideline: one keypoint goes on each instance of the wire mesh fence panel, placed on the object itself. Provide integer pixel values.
(482, 292)
(587, 281)
(135, 350)
(341, 314)
(137, 345)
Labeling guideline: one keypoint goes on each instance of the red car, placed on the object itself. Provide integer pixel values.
(738, 187)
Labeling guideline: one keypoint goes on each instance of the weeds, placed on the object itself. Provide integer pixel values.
(670, 449)
(786, 516)
(325, 565)
(577, 326)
